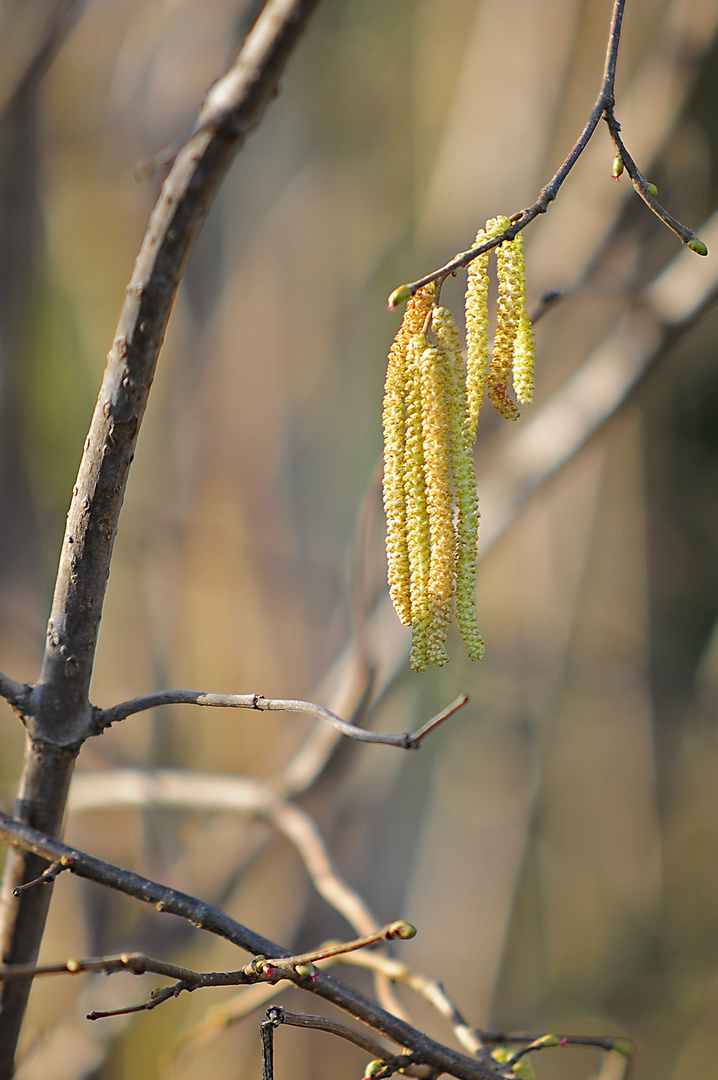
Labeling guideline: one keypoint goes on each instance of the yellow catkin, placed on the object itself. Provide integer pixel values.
(524, 360)
(436, 387)
(477, 323)
(394, 420)
(511, 273)
(417, 517)
(464, 477)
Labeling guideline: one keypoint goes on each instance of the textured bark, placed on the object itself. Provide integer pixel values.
(57, 711)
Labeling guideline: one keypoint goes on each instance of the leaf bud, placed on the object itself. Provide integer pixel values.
(623, 1046)
(617, 167)
(306, 971)
(698, 246)
(374, 1067)
(400, 929)
(398, 297)
(651, 189)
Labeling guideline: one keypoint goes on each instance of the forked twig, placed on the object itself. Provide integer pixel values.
(209, 917)
(602, 110)
(276, 1015)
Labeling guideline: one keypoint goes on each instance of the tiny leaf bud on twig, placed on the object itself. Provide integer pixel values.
(400, 929)
(398, 297)
(698, 246)
(624, 1046)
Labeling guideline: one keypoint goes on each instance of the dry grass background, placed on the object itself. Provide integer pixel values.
(556, 843)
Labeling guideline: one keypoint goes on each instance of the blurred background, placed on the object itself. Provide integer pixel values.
(556, 842)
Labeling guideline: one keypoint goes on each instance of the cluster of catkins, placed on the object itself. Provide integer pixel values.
(432, 401)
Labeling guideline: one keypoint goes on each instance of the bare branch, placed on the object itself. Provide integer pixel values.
(548, 193)
(58, 714)
(46, 878)
(278, 1015)
(603, 109)
(135, 963)
(405, 741)
(400, 929)
(209, 917)
(642, 187)
(93, 790)
(392, 1063)
(430, 990)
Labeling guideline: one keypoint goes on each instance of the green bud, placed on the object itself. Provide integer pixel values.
(652, 189)
(524, 1069)
(698, 246)
(623, 1046)
(398, 297)
(550, 1040)
(305, 970)
(617, 167)
(400, 929)
(374, 1067)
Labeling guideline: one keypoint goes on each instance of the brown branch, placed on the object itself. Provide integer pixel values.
(399, 929)
(209, 917)
(134, 963)
(548, 193)
(277, 1015)
(430, 990)
(406, 740)
(57, 713)
(92, 790)
(603, 109)
(16, 694)
(642, 187)
(406, 1063)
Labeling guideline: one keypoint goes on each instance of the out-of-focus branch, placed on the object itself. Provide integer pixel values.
(209, 917)
(189, 790)
(406, 740)
(433, 992)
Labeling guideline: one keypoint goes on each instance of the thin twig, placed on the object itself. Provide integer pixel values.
(430, 990)
(46, 878)
(183, 789)
(135, 963)
(548, 193)
(603, 109)
(641, 185)
(277, 1015)
(405, 741)
(209, 917)
(405, 1062)
(302, 831)
(399, 929)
